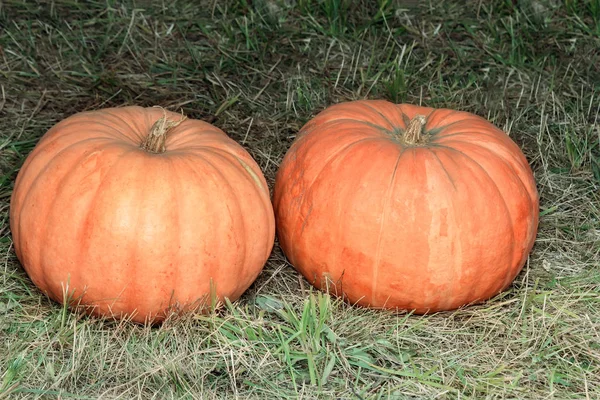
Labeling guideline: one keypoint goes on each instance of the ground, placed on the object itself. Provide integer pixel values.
(259, 70)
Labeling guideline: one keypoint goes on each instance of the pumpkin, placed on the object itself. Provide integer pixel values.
(135, 212)
(405, 207)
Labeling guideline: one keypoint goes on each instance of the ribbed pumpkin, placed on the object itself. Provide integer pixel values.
(405, 207)
(134, 211)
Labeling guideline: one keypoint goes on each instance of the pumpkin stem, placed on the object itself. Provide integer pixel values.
(156, 139)
(413, 133)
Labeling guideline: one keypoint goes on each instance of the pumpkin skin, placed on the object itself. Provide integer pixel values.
(133, 232)
(389, 223)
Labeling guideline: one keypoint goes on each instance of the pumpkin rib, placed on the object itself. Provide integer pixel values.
(42, 146)
(239, 210)
(504, 160)
(170, 176)
(450, 203)
(263, 189)
(253, 177)
(199, 178)
(473, 123)
(84, 243)
(131, 289)
(309, 186)
(381, 114)
(26, 166)
(45, 169)
(134, 252)
(501, 196)
(472, 288)
(126, 125)
(331, 114)
(52, 210)
(50, 207)
(443, 167)
(252, 183)
(329, 129)
(496, 139)
(293, 150)
(113, 132)
(193, 148)
(384, 212)
(441, 136)
(336, 232)
(188, 140)
(177, 187)
(453, 124)
(449, 125)
(146, 197)
(346, 120)
(524, 188)
(250, 172)
(186, 144)
(238, 206)
(89, 118)
(522, 162)
(451, 115)
(428, 118)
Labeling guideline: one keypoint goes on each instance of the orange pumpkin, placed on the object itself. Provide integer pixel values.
(405, 207)
(133, 211)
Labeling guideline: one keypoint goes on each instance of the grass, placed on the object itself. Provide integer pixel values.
(259, 70)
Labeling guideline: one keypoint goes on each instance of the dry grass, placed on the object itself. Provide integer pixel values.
(260, 69)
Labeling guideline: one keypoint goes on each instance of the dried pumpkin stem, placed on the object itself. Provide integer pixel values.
(156, 139)
(414, 132)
